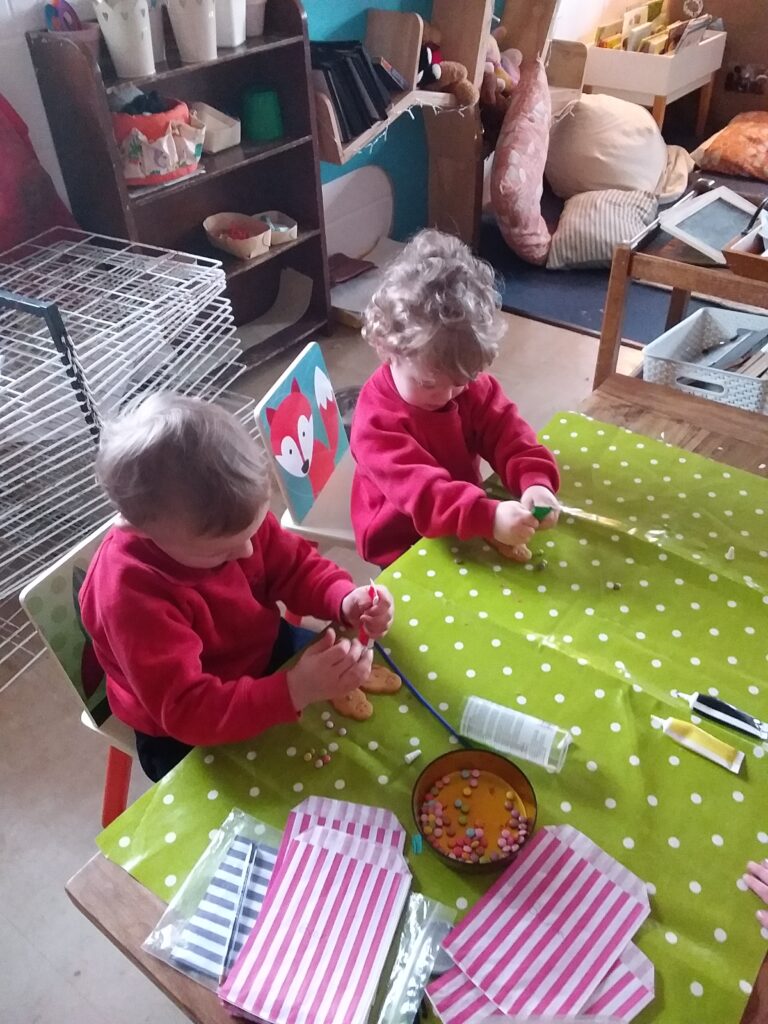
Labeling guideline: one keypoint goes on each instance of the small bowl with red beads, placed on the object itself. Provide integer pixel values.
(239, 234)
(475, 809)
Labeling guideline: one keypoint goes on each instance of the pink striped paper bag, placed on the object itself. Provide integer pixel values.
(355, 819)
(318, 947)
(546, 934)
(626, 990)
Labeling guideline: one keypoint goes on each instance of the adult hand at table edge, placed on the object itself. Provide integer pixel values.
(756, 878)
(330, 668)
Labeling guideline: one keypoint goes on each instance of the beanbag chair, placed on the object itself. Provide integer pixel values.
(517, 177)
(605, 143)
(28, 201)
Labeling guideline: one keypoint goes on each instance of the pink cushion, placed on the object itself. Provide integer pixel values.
(517, 178)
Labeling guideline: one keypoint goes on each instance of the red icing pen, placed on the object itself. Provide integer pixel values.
(373, 593)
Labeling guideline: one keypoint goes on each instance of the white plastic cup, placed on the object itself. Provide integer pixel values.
(254, 17)
(194, 26)
(126, 28)
(230, 22)
(156, 29)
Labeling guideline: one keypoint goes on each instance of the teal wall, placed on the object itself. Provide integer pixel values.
(403, 154)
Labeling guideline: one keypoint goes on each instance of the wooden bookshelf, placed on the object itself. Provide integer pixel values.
(454, 137)
(248, 178)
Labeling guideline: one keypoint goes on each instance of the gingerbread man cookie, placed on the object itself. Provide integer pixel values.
(354, 705)
(515, 552)
(381, 680)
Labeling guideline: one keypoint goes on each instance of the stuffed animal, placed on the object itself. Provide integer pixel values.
(444, 75)
(501, 72)
(430, 66)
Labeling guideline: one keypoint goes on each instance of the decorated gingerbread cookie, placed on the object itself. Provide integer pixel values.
(381, 680)
(354, 705)
(515, 552)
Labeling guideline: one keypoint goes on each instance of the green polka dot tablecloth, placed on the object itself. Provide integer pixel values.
(634, 602)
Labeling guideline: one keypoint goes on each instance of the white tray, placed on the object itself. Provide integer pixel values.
(667, 359)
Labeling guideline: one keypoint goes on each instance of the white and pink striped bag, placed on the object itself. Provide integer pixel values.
(318, 948)
(550, 938)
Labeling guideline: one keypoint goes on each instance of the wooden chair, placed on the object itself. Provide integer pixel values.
(50, 602)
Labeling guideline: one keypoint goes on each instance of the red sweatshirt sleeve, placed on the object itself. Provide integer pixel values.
(419, 487)
(296, 574)
(503, 438)
(160, 652)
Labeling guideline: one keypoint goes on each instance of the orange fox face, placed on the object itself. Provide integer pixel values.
(292, 432)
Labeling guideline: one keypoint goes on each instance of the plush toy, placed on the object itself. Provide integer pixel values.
(444, 75)
(430, 66)
(501, 72)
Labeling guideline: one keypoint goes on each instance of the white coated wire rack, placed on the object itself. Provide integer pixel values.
(137, 319)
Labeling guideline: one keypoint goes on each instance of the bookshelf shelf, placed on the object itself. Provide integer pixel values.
(334, 151)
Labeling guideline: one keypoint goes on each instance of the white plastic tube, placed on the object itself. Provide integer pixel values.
(512, 732)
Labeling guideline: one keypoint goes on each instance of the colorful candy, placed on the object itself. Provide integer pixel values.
(497, 833)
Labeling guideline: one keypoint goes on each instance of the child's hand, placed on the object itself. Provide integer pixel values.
(328, 669)
(542, 497)
(757, 880)
(358, 609)
(513, 524)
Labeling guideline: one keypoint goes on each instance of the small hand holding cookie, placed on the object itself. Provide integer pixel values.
(328, 669)
(513, 524)
(757, 880)
(542, 497)
(374, 614)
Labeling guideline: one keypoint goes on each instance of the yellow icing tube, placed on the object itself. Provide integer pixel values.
(700, 742)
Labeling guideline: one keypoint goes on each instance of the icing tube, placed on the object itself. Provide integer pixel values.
(724, 714)
(362, 636)
(700, 742)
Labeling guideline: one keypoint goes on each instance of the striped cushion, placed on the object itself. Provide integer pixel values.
(594, 223)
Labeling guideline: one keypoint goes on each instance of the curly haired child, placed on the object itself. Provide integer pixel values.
(430, 413)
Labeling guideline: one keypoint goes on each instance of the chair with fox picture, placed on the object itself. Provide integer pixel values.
(302, 429)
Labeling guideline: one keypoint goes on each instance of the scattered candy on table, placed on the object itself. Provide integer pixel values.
(474, 817)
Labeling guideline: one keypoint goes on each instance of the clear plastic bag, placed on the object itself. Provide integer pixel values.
(209, 918)
(423, 927)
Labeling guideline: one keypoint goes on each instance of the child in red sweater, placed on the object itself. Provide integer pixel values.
(429, 414)
(181, 598)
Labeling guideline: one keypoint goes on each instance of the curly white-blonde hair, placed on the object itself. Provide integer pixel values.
(438, 305)
(168, 457)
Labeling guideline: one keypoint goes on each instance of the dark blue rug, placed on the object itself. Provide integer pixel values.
(571, 298)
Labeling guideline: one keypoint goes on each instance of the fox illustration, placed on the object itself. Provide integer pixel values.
(292, 433)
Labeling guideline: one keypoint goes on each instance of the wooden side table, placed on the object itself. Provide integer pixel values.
(683, 278)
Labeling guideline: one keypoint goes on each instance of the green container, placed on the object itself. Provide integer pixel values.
(262, 119)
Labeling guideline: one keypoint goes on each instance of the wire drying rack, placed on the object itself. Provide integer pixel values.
(88, 323)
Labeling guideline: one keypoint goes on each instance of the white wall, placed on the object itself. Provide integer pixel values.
(578, 19)
(17, 78)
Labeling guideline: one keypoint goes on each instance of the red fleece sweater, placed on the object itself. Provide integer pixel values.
(417, 472)
(184, 649)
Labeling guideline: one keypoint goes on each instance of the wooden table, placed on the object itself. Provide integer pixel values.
(665, 267)
(126, 912)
